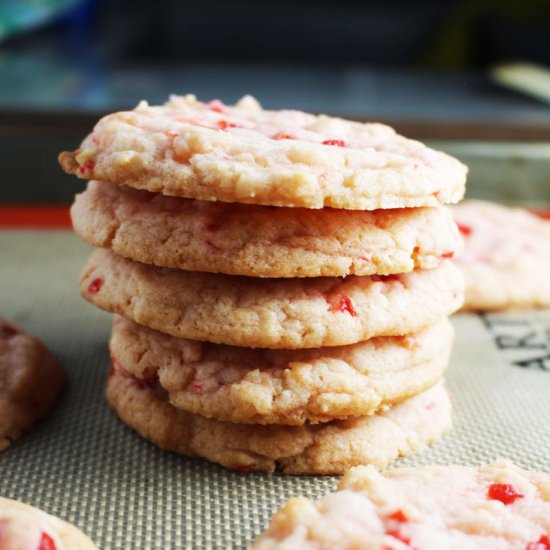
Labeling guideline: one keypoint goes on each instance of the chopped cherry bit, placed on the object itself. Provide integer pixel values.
(95, 286)
(223, 124)
(396, 534)
(46, 542)
(88, 165)
(542, 544)
(398, 515)
(344, 304)
(504, 492)
(8, 331)
(335, 142)
(216, 105)
(365, 259)
(198, 387)
(282, 135)
(447, 255)
(464, 229)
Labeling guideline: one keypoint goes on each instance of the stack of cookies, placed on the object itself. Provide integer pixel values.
(282, 282)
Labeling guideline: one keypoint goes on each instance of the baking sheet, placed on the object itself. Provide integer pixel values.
(82, 464)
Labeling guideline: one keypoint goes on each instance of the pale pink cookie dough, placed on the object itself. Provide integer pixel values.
(271, 313)
(290, 387)
(24, 527)
(329, 448)
(493, 507)
(30, 380)
(506, 261)
(243, 153)
(262, 241)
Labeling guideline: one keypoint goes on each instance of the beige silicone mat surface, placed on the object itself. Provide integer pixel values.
(83, 464)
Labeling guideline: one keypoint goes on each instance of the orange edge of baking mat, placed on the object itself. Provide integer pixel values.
(58, 217)
(34, 217)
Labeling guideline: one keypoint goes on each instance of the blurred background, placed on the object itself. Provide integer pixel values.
(469, 77)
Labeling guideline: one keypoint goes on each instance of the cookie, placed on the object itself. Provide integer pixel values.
(493, 507)
(262, 241)
(259, 386)
(271, 313)
(30, 379)
(506, 261)
(245, 154)
(329, 448)
(23, 527)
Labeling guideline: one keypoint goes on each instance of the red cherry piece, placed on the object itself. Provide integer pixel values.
(88, 165)
(223, 124)
(464, 229)
(216, 105)
(365, 259)
(8, 331)
(334, 142)
(542, 544)
(446, 255)
(504, 492)
(398, 515)
(344, 304)
(46, 542)
(198, 388)
(390, 278)
(244, 469)
(396, 534)
(282, 135)
(95, 286)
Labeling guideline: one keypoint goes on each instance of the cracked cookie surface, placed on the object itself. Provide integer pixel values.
(245, 154)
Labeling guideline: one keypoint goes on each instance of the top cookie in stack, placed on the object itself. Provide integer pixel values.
(233, 226)
(211, 151)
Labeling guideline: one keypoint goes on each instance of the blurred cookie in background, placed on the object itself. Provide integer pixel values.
(506, 261)
(30, 380)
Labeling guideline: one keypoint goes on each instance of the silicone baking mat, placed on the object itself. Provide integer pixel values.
(83, 464)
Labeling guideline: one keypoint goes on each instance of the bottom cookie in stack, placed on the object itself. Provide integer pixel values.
(315, 411)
